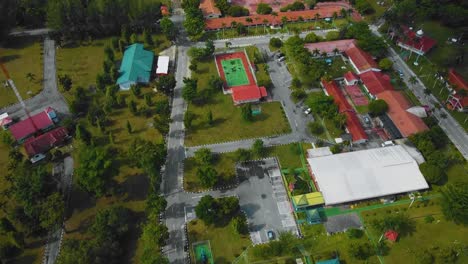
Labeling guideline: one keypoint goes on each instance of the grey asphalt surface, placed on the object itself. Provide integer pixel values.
(31, 32)
(49, 96)
(450, 126)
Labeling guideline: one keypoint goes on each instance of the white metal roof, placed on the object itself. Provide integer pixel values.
(319, 152)
(3, 116)
(366, 174)
(163, 65)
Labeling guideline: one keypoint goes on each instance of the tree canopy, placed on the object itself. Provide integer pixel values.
(378, 107)
(455, 202)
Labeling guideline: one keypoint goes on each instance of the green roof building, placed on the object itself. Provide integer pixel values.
(136, 66)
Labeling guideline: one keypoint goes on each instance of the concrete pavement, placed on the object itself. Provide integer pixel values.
(451, 127)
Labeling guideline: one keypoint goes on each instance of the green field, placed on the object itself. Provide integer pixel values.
(226, 243)
(23, 60)
(234, 72)
(228, 124)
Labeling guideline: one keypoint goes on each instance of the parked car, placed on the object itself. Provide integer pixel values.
(388, 143)
(271, 235)
(280, 59)
(400, 73)
(307, 111)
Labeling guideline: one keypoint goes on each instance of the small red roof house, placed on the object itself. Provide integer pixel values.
(375, 82)
(330, 46)
(46, 141)
(40, 122)
(353, 125)
(5, 121)
(361, 60)
(248, 94)
(406, 122)
(350, 78)
(391, 235)
(164, 10)
(457, 100)
(209, 9)
(416, 42)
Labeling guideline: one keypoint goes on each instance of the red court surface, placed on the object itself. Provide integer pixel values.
(356, 95)
(235, 55)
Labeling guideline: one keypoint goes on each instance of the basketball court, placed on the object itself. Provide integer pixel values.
(235, 72)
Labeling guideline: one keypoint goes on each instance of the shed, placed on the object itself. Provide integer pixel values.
(391, 235)
(163, 65)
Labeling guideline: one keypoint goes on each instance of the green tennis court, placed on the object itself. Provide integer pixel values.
(203, 253)
(235, 72)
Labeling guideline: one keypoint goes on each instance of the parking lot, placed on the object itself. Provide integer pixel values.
(264, 200)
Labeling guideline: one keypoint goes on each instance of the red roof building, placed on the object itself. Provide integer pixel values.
(350, 78)
(330, 46)
(258, 20)
(375, 82)
(45, 142)
(361, 60)
(455, 100)
(248, 94)
(353, 125)
(29, 126)
(406, 122)
(165, 10)
(209, 9)
(415, 41)
(391, 235)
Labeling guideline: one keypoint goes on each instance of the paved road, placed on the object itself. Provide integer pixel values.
(64, 170)
(450, 126)
(31, 32)
(49, 96)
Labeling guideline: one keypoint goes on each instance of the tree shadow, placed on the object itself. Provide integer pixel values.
(221, 260)
(136, 187)
(131, 240)
(8, 58)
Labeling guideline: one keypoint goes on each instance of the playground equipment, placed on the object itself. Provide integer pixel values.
(256, 110)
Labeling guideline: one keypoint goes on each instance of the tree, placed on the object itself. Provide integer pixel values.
(75, 251)
(332, 35)
(258, 148)
(206, 209)
(188, 119)
(336, 148)
(312, 38)
(203, 156)
(209, 48)
(354, 233)
(95, 169)
(166, 83)
(246, 111)
(264, 9)
(398, 222)
(154, 235)
(52, 211)
(364, 7)
(276, 43)
(209, 118)
(455, 202)
(413, 80)
(65, 81)
(110, 224)
(240, 224)
(432, 173)
(385, 64)
(241, 29)
(316, 128)
(148, 38)
(378, 107)
(194, 23)
(237, 11)
(242, 155)
(134, 38)
(30, 76)
(208, 176)
(109, 52)
(189, 91)
(361, 251)
(167, 27)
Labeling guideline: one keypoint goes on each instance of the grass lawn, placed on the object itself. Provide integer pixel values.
(262, 75)
(337, 68)
(228, 123)
(288, 156)
(441, 233)
(379, 10)
(23, 57)
(226, 243)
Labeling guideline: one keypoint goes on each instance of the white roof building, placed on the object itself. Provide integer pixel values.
(366, 174)
(163, 65)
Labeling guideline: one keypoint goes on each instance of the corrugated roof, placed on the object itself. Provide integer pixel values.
(217, 23)
(361, 59)
(208, 7)
(407, 123)
(423, 43)
(247, 93)
(366, 174)
(28, 126)
(46, 141)
(136, 64)
(308, 199)
(163, 65)
(350, 76)
(329, 46)
(376, 82)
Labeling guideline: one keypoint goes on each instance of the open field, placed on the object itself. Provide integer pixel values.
(228, 123)
(226, 243)
(24, 63)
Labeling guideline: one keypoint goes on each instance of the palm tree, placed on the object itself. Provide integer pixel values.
(30, 76)
(233, 24)
(224, 26)
(265, 22)
(343, 12)
(316, 52)
(336, 51)
(413, 80)
(248, 20)
(324, 54)
(317, 17)
(283, 21)
(335, 15)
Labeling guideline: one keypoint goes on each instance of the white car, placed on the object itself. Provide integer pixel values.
(307, 111)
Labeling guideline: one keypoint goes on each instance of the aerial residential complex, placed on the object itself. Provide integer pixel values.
(238, 131)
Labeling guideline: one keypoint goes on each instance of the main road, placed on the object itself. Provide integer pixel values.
(451, 127)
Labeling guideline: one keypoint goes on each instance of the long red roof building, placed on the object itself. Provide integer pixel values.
(376, 82)
(361, 60)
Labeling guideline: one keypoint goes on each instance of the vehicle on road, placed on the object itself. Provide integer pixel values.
(307, 111)
(280, 59)
(388, 143)
(271, 235)
(400, 73)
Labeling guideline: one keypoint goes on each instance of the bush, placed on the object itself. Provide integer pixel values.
(378, 107)
(385, 64)
(432, 173)
(336, 148)
(312, 38)
(276, 42)
(316, 128)
(237, 11)
(354, 233)
(429, 219)
(264, 9)
(332, 35)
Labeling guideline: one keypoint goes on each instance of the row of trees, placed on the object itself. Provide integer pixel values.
(194, 23)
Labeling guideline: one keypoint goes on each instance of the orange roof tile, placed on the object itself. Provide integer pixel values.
(376, 82)
(208, 7)
(407, 123)
(360, 58)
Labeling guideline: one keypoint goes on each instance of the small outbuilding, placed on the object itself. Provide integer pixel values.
(391, 235)
(163, 65)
